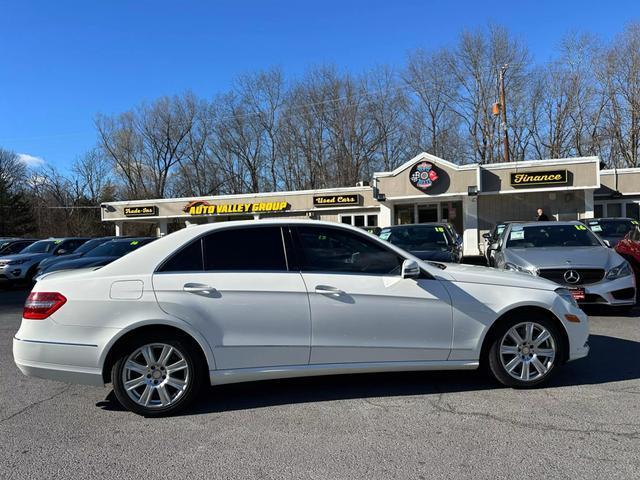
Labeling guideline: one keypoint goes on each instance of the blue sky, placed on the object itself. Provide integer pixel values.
(62, 61)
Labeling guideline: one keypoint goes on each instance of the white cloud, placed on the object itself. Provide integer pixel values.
(31, 161)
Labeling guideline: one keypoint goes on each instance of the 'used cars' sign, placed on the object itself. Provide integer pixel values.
(552, 177)
(142, 211)
(333, 200)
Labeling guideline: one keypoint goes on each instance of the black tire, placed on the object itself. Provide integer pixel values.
(495, 359)
(194, 376)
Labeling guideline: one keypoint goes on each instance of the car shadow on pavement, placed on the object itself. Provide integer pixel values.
(611, 360)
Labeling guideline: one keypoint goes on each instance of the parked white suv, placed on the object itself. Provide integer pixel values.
(240, 301)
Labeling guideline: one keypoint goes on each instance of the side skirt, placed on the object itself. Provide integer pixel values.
(221, 377)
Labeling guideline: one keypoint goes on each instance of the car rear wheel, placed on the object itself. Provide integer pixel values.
(156, 377)
(525, 351)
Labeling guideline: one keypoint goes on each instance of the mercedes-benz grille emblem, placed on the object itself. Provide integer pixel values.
(571, 276)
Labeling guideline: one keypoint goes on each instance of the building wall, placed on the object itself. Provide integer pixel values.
(563, 205)
(450, 182)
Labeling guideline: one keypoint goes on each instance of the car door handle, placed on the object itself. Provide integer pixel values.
(328, 290)
(197, 288)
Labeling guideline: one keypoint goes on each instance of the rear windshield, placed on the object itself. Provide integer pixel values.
(43, 246)
(90, 245)
(551, 236)
(611, 228)
(116, 248)
(418, 237)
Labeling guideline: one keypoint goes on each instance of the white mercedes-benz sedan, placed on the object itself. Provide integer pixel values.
(241, 301)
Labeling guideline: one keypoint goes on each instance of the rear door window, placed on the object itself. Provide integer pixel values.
(245, 249)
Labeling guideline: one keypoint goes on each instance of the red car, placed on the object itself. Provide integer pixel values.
(629, 248)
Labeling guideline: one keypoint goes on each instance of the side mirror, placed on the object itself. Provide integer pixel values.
(410, 269)
(486, 235)
(62, 251)
(607, 243)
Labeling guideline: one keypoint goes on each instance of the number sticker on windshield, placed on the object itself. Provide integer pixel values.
(580, 227)
(135, 242)
(439, 229)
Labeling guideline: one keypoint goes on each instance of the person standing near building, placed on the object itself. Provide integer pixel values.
(542, 217)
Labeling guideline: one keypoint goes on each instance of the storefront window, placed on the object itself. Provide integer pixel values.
(360, 220)
(404, 214)
(633, 210)
(427, 213)
(614, 210)
(597, 211)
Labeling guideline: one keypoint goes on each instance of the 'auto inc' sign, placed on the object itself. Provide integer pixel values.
(142, 211)
(551, 177)
(202, 207)
(339, 200)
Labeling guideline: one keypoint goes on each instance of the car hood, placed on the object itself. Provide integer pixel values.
(492, 276)
(432, 255)
(563, 257)
(82, 262)
(26, 256)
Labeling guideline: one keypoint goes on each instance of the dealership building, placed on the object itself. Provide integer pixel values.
(471, 197)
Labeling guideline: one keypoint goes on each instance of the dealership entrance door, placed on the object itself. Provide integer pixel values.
(443, 211)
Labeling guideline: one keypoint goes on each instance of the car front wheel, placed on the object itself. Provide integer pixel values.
(156, 378)
(525, 352)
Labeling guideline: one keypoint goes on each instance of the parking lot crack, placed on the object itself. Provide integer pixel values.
(449, 409)
(36, 403)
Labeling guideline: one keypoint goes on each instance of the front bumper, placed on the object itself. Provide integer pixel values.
(618, 292)
(64, 362)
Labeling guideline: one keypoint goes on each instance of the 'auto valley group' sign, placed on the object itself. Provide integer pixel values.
(202, 207)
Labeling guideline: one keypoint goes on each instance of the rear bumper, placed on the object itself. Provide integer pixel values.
(63, 362)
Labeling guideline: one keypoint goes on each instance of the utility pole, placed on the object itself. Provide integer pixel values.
(503, 112)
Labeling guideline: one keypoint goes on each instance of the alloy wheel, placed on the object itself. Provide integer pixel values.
(156, 375)
(527, 351)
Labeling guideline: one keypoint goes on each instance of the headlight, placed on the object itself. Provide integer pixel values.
(566, 295)
(16, 262)
(622, 270)
(517, 268)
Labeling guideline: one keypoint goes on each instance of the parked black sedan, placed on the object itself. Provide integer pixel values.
(611, 229)
(427, 241)
(81, 251)
(101, 255)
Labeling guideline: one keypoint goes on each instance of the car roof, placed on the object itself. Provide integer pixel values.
(130, 239)
(599, 219)
(550, 222)
(425, 224)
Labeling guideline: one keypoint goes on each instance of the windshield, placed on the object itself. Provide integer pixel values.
(89, 245)
(115, 248)
(43, 246)
(417, 237)
(611, 228)
(551, 236)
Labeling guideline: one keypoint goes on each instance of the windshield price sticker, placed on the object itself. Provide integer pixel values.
(517, 228)
(517, 235)
(595, 227)
(385, 235)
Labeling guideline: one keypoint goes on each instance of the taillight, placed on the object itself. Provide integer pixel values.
(40, 305)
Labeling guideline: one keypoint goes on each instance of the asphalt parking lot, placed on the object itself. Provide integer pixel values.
(414, 425)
